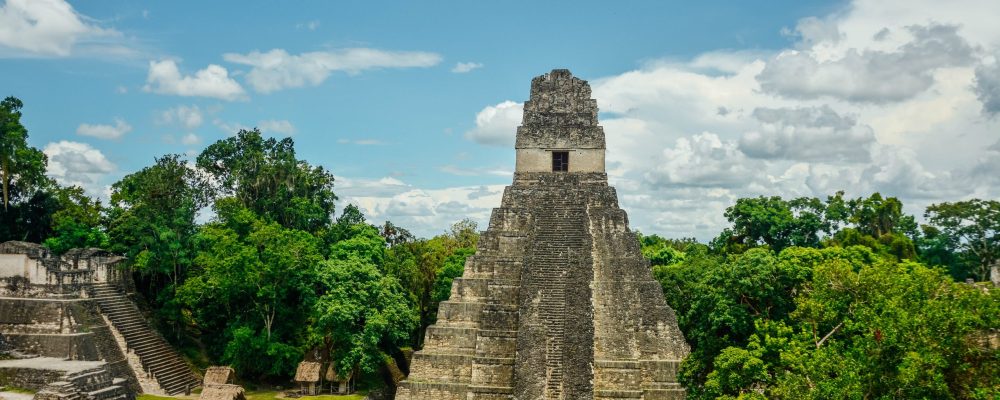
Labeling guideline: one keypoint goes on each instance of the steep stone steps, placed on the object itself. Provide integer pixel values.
(158, 358)
(559, 242)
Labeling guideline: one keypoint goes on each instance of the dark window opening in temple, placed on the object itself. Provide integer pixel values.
(560, 161)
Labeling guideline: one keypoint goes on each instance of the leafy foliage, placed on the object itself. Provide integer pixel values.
(77, 223)
(22, 167)
(361, 311)
(264, 176)
(972, 228)
(853, 315)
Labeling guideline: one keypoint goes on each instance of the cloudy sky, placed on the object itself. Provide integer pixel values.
(413, 105)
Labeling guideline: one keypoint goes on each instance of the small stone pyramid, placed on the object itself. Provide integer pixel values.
(558, 301)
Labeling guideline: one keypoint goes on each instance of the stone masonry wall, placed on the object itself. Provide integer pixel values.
(67, 329)
(557, 302)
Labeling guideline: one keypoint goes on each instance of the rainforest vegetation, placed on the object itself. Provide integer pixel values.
(239, 260)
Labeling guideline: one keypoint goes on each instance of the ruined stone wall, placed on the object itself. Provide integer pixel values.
(12, 265)
(67, 329)
(21, 315)
(28, 378)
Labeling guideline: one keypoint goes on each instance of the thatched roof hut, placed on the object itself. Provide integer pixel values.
(333, 376)
(308, 371)
(309, 378)
(222, 392)
(339, 384)
(219, 375)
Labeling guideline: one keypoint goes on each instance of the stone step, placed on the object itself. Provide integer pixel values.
(155, 355)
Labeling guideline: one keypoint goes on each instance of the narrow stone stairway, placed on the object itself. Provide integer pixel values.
(560, 240)
(158, 358)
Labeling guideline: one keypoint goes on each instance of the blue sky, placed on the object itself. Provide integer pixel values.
(413, 106)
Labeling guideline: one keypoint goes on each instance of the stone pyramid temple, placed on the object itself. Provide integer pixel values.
(558, 301)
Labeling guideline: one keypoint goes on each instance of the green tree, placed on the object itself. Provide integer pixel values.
(773, 222)
(152, 222)
(831, 323)
(77, 223)
(252, 289)
(453, 267)
(361, 312)
(21, 165)
(973, 228)
(28, 203)
(266, 178)
(365, 243)
(877, 216)
(395, 235)
(427, 267)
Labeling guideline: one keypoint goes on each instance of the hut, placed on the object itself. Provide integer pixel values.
(219, 376)
(307, 375)
(222, 392)
(339, 384)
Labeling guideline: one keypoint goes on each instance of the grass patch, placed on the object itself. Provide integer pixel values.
(146, 396)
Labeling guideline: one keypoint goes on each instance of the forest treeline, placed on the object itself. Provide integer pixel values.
(837, 299)
(798, 298)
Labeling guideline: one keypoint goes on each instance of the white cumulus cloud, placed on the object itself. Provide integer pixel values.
(45, 28)
(100, 131)
(213, 81)
(704, 160)
(808, 134)
(497, 124)
(870, 75)
(74, 163)
(277, 69)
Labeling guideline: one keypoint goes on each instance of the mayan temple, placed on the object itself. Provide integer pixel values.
(557, 302)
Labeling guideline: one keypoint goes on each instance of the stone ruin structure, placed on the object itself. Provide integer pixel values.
(558, 301)
(31, 270)
(69, 329)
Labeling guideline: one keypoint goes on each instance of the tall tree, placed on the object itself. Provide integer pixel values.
(152, 221)
(22, 175)
(877, 215)
(361, 312)
(972, 227)
(266, 178)
(774, 222)
(395, 235)
(21, 165)
(252, 290)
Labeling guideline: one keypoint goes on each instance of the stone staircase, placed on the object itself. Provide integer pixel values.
(560, 239)
(158, 358)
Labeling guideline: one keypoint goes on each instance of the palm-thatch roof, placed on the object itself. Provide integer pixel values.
(222, 392)
(308, 371)
(219, 375)
(333, 376)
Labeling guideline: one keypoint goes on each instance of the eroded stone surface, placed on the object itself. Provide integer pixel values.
(557, 302)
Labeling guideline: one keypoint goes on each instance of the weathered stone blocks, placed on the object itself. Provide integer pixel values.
(557, 302)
